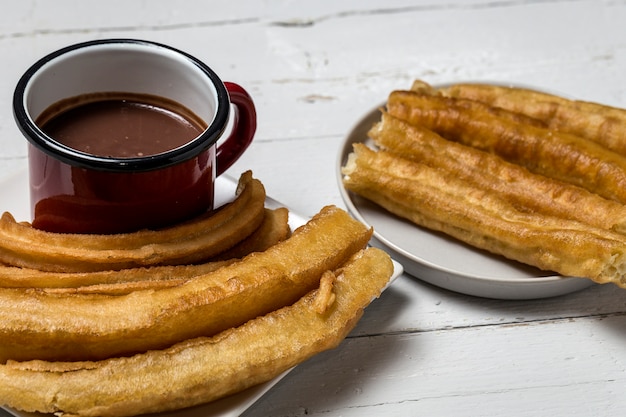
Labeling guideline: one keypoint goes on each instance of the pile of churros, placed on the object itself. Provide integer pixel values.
(152, 321)
(531, 176)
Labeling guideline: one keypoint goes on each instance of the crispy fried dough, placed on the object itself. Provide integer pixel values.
(15, 277)
(546, 152)
(152, 278)
(189, 242)
(524, 190)
(203, 369)
(443, 202)
(422, 88)
(597, 122)
(274, 229)
(40, 325)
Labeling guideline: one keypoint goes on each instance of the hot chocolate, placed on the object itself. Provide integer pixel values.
(120, 125)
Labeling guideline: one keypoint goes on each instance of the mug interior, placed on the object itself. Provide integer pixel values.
(121, 66)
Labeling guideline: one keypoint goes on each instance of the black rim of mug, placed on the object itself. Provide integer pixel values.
(77, 158)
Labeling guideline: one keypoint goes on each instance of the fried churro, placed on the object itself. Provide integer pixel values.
(203, 369)
(441, 201)
(547, 152)
(524, 190)
(274, 229)
(600, 123)
(190, 242)
(44, 325)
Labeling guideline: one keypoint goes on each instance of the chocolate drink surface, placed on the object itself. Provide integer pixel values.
(120, 125)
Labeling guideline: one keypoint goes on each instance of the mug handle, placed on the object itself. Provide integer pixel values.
(244, 127)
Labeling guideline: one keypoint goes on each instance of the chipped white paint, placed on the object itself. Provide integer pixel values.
(314, 68)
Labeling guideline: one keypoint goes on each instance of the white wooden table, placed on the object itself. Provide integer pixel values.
(313, 69)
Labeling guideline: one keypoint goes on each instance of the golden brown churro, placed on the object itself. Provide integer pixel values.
(190, 242)
(203, 369)
(441, 201)
(44, 325)
(274, 229)
(524, 190)
(152, 277)
(594, 121)
(551, 153)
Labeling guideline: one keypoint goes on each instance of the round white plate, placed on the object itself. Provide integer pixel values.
(443, 261)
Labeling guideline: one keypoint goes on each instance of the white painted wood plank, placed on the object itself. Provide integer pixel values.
(571, 367)
(411, 305)
(304, 67)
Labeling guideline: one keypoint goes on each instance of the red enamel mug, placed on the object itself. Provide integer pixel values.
(73, 191)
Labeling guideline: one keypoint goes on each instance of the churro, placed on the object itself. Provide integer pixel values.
(524, 190)
(43, 325)
(547, 152)
(203, 369)
(441, 201)
(189, 242)
(594, 121)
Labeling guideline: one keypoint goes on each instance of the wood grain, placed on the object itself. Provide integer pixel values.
(313, 69)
